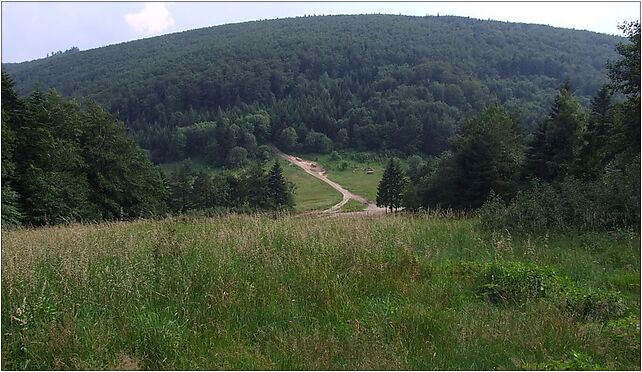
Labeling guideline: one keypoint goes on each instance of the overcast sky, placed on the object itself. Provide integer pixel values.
(32, 29)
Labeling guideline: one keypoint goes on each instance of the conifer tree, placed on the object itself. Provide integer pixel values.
(279, 190)
(536, 163)
(487, 154)
(12, 116)
(552, 152)
(256, 187)
(625, 79)
(202, 191)
(391, 187)
(593, 153)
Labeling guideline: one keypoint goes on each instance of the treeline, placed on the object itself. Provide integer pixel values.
(64, 161)
(369, 82)
(580, 169)
(254, 189)
(71, 50)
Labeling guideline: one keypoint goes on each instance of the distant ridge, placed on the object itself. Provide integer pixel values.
(457, 65)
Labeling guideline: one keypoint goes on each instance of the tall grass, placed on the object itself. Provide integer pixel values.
(255, 292)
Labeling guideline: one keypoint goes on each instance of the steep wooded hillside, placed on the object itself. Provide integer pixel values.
(369, 81)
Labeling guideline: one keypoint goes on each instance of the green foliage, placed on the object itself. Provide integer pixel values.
(516, 282)
(68, 162)
(11, 212)
(279, 191)
(487, 154)
(368, 81)
(12, 116)
(237, 157)
(625, 78)
(600, 188)
(246, 190)
(611, 202)
(626, 331)
(127, 184)
(410, 198)
(552, 150)
(594, 304)
(391, 187)
(593, 154)
(577, 362)
(486, 157)
(317, 142)
(288, 139)
(415, 167)
(625, 72)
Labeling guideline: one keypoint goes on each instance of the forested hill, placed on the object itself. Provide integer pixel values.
(366, 81)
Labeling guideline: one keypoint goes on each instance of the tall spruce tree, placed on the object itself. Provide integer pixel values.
(552, 151)
(391, 187)
(593, 152)
(279, 191)
(488, 153)
(625, 78)
(255, 187)
(12, 118)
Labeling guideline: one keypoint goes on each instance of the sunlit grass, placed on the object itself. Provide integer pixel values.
(354, 177)
(353, 206)
(311, 193)
(255, 292)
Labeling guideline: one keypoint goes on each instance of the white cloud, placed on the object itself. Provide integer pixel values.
(154, 18)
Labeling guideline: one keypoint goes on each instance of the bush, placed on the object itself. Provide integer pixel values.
(515, 282)
(612, 202)
(334, 156)
(594, 304)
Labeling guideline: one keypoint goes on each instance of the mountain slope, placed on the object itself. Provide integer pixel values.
(417, 76)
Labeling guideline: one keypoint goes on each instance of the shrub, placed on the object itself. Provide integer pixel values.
(626, 331)
(610, 203)
(514, 282)
(594, 304)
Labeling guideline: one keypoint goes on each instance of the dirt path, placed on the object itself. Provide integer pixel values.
(318, 172)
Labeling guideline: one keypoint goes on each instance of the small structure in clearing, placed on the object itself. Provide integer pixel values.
(369, 170)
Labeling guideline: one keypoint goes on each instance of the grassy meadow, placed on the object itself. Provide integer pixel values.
(302, 292)
(311, 193)
(352, 206)
(353, 177)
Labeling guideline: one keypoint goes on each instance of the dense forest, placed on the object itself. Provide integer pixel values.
(313, 84)
(579, 170)
(551, 138)
(64, 161)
